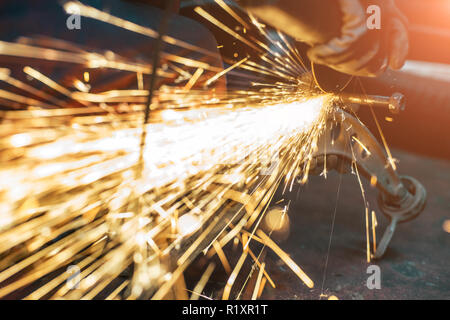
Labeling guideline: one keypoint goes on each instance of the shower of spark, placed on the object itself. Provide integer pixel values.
(84, 200)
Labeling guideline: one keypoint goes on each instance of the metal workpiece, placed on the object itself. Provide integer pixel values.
(400, 210)
(345, 141)
(395, 103)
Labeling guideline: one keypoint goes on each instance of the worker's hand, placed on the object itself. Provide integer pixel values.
(360, 51)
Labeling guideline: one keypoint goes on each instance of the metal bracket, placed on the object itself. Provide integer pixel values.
(347, 140)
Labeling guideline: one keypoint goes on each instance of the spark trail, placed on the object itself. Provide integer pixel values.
(207, 168)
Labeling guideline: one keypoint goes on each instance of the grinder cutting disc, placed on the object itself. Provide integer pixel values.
(330, 80)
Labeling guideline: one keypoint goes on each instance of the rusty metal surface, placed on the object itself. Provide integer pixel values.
(415, 265)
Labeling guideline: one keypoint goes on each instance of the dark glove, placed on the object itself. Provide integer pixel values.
(363, 52)
(338, 34)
